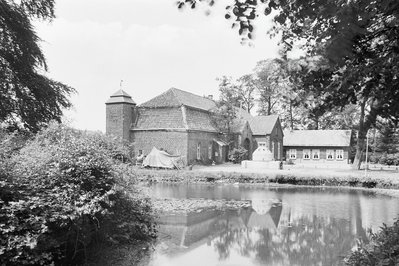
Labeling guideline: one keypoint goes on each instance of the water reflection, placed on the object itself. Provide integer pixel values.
(282, 227)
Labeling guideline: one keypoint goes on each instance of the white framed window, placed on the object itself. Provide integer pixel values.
(330, 154)
(315, 154)
(262, 144)
(306, 154)
(210, 151)
(273, 148)
(199, 151)
(278, 150)
(339, 154)
(292, 154)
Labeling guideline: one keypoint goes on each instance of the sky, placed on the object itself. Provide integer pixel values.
(149, 44)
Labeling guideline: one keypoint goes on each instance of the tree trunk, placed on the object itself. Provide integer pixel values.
(269, 105)
(364, 125)
(361, 136)
(291, 116)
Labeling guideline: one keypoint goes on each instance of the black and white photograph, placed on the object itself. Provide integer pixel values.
(199, 132)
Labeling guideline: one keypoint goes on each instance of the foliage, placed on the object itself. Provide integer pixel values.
(387, 139)
(356, 42)
(28, 99)
(238, 154)
(383, 248)
(271, 84)
(224, 115)
(385, 159)
(229, 91)
(63, 191)
(247, 87)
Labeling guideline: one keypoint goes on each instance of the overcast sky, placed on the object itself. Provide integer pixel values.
(150, 44)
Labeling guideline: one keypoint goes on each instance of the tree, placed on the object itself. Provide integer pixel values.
(229, 91)
(357, 41)
(28, 99)
(246, 91)
(387, 139)
(271, 75)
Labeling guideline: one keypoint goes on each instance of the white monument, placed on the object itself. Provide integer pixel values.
(262, 154)
(262, 157)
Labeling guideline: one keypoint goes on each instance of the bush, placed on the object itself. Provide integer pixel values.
(383, 248)
(237, 155)
(64, 190)
(386, 159)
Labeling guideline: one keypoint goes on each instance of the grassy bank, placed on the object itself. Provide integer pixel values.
(303, 178)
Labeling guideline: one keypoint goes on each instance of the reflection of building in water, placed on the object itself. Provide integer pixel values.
(187, 229)
(190, 230)
(296, 227)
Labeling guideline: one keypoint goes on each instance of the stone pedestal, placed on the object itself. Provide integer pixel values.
(260, 164)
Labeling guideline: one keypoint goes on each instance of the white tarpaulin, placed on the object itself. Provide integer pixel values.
(158, 158)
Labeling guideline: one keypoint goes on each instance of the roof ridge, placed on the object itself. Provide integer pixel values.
(173, 90)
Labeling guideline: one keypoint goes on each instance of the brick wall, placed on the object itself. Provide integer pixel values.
(172, 141)
(246, 133)
(276, 137)
(206, 140)
(119, 118)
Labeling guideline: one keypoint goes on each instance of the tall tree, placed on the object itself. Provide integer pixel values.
(246, 91)
(357, 39)
(271, 80)
(229, 91)
(28, 99)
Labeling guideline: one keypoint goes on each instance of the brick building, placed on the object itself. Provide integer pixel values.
(318, 146)
(178, 122)
(267, 131)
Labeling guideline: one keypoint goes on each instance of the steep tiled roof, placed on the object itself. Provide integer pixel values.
(262, 125)
(242, 116)
(120, 96)
(199, 120)
(175, 97)
(331, 138)
(157, 118)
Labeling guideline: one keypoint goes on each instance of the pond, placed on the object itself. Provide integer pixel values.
(282, 226)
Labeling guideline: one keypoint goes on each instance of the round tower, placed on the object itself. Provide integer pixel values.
(120, 114)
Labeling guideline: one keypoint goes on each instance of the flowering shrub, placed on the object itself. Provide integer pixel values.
(64, 189)
(238, 154)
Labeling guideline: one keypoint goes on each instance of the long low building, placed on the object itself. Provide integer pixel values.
(318, 146)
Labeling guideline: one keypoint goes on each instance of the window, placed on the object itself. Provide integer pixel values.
(199, 151)
(278, 150)
(339, 154)
(330, 154)
(292, 154)
(273, 148)
(316, 154)
(210, 151)
(262, 144)
(306, 154)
